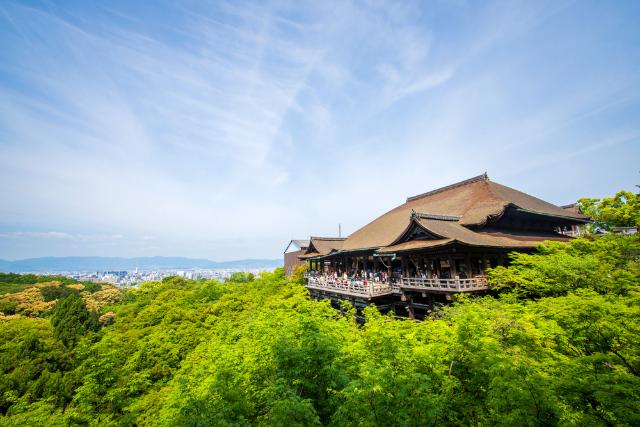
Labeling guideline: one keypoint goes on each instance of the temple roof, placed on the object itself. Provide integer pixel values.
(297, 244)
(448, 232)
(472, 202)
(573, 207)
(319, 246)
(301, 243)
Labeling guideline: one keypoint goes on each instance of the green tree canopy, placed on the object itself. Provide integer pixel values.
(558, 343)
(607, 264)
(621, 210)
(70, 320)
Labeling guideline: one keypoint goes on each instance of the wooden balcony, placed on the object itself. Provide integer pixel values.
(445, 285)
(370, 289)
(356, 288)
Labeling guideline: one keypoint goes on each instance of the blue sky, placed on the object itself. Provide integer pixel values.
(222, 130)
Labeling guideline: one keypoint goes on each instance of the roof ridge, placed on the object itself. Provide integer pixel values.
(483, 177)
(326, 238)
(439, 217)
(570, 205)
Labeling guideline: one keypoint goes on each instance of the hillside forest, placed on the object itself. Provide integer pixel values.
(555, 342)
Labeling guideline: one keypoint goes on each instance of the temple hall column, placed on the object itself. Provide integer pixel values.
(452, 267)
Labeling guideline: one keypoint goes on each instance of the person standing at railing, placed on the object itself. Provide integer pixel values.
(457, 277)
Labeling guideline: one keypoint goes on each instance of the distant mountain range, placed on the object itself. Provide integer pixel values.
(94, 263)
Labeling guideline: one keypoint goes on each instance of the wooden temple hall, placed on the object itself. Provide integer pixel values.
(434, 245)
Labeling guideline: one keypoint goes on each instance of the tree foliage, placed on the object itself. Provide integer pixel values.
(241, 277)
(71, 320)
(621, 210)
(557, 344)
(609, 264)
(12, 282)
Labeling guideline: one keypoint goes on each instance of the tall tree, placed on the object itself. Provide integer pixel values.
(71, 320)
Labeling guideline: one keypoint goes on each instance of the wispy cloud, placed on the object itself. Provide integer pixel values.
(59, 235)
(222, 129)
(36, 234)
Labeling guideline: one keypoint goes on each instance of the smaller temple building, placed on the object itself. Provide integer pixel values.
(295, 249)
(434, 245)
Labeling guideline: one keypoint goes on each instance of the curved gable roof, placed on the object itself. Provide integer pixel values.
(319, 246)
(474, 200)
(447, 231)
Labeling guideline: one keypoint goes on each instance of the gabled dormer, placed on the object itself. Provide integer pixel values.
(419, 228)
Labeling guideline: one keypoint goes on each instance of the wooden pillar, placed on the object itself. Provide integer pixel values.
(467, 260)
(410, 311)
(416, 264)
(452, 267)
(485, 263)
(403, 263)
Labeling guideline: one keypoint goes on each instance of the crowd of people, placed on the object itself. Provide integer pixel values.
(383, 276)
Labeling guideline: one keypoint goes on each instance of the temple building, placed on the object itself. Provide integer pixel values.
(292, 253)
(322, 246)
(434, 245)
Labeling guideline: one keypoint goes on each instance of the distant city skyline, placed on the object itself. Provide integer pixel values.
(224, 130)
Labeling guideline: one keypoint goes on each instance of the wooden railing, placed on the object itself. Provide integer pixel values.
(370, 288)
(363, 288)
(478, 283)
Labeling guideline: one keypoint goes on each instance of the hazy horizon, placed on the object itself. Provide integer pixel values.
(140, 257)
(222, 131)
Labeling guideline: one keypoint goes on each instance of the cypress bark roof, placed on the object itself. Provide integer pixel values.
(319, 246)
(447, 232)
(474, 201)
